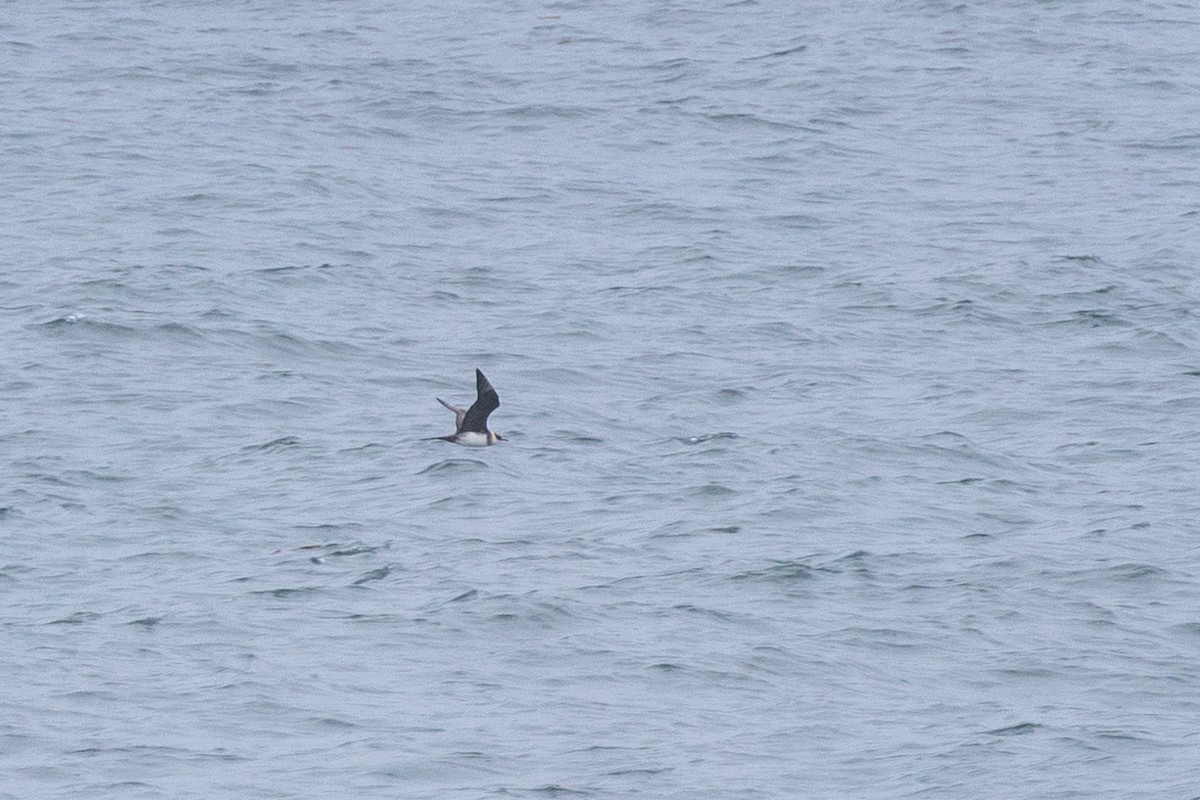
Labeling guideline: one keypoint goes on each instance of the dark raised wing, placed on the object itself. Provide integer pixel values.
(487, 402)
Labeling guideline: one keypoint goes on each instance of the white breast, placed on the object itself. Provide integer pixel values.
(472, 439)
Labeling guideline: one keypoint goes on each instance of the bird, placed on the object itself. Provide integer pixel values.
(470, 425)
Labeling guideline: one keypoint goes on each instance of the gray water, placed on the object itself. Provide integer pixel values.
(849, 367)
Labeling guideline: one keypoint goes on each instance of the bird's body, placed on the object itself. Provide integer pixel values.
(473, 438)
(470, 425)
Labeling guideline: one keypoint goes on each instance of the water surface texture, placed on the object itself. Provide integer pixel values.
(849, 367)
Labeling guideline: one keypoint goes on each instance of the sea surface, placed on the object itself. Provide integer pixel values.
(849, 365)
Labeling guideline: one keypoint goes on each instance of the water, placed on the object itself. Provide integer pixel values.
(849, 374)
